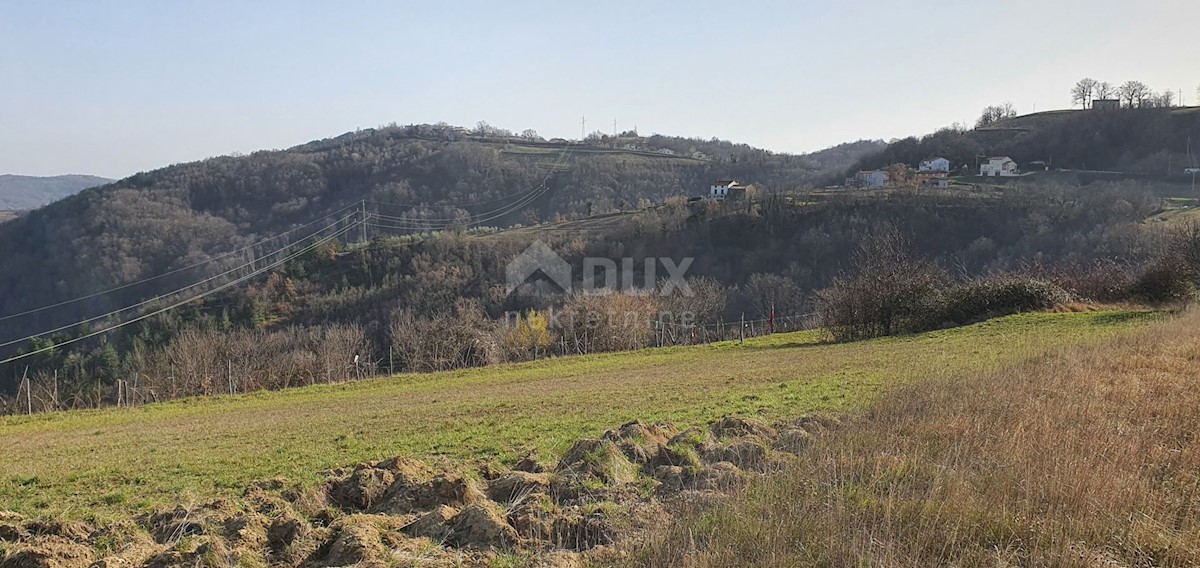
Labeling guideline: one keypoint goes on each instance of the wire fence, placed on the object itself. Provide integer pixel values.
(234, 376)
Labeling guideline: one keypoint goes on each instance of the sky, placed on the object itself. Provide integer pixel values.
(111, 88)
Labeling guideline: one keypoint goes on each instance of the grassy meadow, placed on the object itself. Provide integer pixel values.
(110, 463)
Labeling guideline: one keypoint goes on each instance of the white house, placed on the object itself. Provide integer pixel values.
(934, 165)
(871, 179)
(1002, 166)
(723, 189)
(1192, 171)
(666, 151)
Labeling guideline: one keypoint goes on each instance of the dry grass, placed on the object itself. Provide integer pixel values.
(1085, 458)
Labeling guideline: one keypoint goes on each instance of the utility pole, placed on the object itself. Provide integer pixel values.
(582, 128)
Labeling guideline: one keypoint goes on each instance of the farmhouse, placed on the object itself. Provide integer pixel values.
(1001, 166)
(869, 179)
(932, 179)
(723, 189)
(934, 165)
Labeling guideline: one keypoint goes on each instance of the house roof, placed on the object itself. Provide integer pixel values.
(725, 182)
(934, 159)
(1000, 158)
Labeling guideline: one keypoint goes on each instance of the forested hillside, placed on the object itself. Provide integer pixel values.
(289, 302)
(426, 176)
(428, 302)
(1152, 141)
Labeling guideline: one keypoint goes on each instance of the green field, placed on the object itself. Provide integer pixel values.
(111, 463)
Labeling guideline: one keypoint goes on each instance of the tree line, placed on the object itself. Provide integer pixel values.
(1131, 94)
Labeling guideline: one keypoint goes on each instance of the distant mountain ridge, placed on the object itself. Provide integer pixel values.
(20, 193)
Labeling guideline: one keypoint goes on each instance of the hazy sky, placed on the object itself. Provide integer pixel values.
(111, 88)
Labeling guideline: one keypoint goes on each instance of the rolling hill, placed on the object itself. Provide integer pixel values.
(22, 193)
(1151, 141)
(160, 220)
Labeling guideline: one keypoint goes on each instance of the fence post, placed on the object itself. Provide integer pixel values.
(28, 392)
(742, 329)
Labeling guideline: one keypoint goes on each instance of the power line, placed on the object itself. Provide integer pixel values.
(554, 167)
(459, 204)
(412, 224)
(179, 291)
(537, 192)
(473, 219)
(523, 200)
(175, 271)
(189, 300)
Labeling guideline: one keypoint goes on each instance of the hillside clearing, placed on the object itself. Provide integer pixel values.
(113, 462)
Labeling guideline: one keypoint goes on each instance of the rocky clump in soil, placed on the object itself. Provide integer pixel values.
(402, 511)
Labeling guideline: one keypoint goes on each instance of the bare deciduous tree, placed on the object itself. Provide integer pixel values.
(1083, 91)
(887, 289)
(772, 292)
(1166, 99)
(994, 114)
(704, 304)
(1132, 93)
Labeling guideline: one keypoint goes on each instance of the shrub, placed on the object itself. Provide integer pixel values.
(1104, 280)
(999, 296)
(610, 321)
(1169, 280)
(457, 340)
(887, 290)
